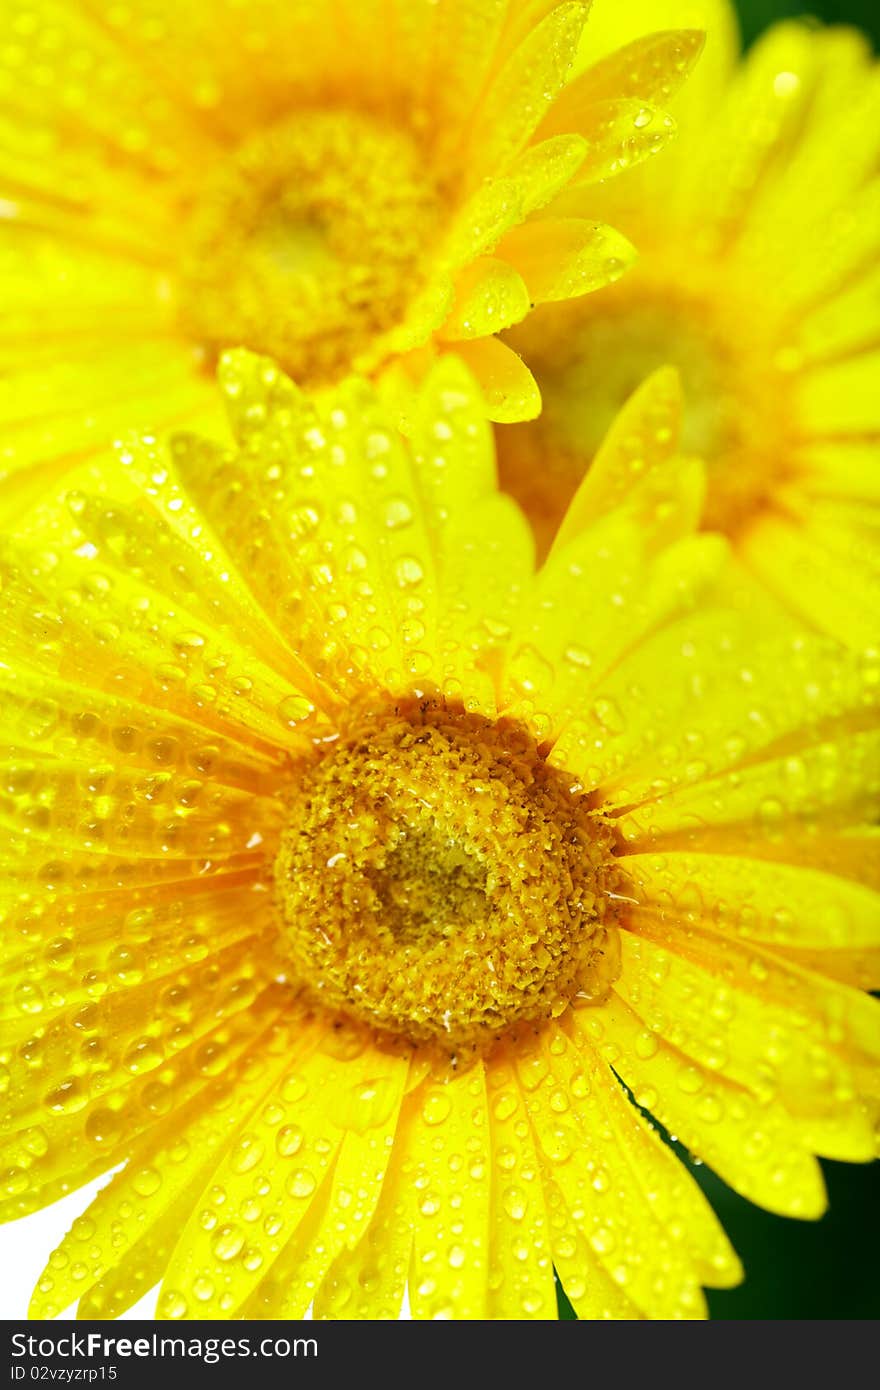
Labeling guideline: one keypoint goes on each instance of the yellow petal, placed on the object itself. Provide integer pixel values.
(293, 1140)
(580, 1150)
(750, 1144)
(836, 593)
(523, 90)
(520, 1234)
(650, 68)
(730, 695)
(534, 178)
(369, 1282)
(117, 1250)
(620, 134)
(643, 439)
(368, 1110)
(796, 1042)
(776, 905)
(563, 258)
(802, 807)
(450, 1156)
(841, 398)
(507, 385)
(63, 1130)
(673, 1194)
(489, 295)
(571, 631)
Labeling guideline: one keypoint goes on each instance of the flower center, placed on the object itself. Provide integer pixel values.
(589, 358)
(439, 880)
(308, 243)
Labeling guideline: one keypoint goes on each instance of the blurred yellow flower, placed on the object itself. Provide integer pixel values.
(758, 234)
(342, 184)
(351, 870)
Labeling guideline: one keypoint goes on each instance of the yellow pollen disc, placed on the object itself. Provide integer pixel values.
(308, 244)
(439, 880)
(589, 359)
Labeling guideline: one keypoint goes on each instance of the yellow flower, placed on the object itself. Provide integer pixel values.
(758, 234)
(351, 870)
(344, 186)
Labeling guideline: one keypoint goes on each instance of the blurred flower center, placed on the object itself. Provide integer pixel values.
(308, 244)
(440, 881)
(589, 359)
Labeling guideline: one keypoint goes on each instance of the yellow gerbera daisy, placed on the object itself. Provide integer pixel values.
(343, 184)
(349, 867)
(758, 234)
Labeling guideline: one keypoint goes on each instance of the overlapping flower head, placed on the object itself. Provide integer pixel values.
(352, 869)
(758, 232)
(343, 184)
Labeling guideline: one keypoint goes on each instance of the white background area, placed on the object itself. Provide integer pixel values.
(26, 1245)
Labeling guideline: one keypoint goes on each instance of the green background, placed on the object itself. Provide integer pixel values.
(755, 15)
(802, 1269)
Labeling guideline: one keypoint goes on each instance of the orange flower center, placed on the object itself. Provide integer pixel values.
(309, 243)
(440, 881)
(590, 355)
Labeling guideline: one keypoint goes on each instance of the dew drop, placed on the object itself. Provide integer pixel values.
(247, 1155)
(514, 1202)
(293, 709)
(504, 1106)
(102, 1127)
(29, 998)
(67, 1098)
(288, 1140)
(228, 1242)
(173, 1304)
(398, 513)
(301, 1183)
(436, 1108)
(408, 571)
(146, 1182)
(143, 1056)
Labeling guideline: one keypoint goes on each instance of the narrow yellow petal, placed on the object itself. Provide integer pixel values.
(520, 1256)
(451, 1174)
(117, 1250)
(643, 439)
(489, 295)
(837, 593)
(620, 134)
(579, 1147)
(523, 90)
(751, 1145)
(650, 68)
(773, 1032)
(563, 258)
(368, 1110)
(292, 1142)
(507, 385)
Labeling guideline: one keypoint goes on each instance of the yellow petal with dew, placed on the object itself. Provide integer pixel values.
(508, 387)
(490, 295)
(291, 1144)
(562, 258)
(523, 90)
(579, 1147)
(451, 1173)
(643, 438)
(733, 1008)
(368, 1110)
(751, 1145)
(117, 1250)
